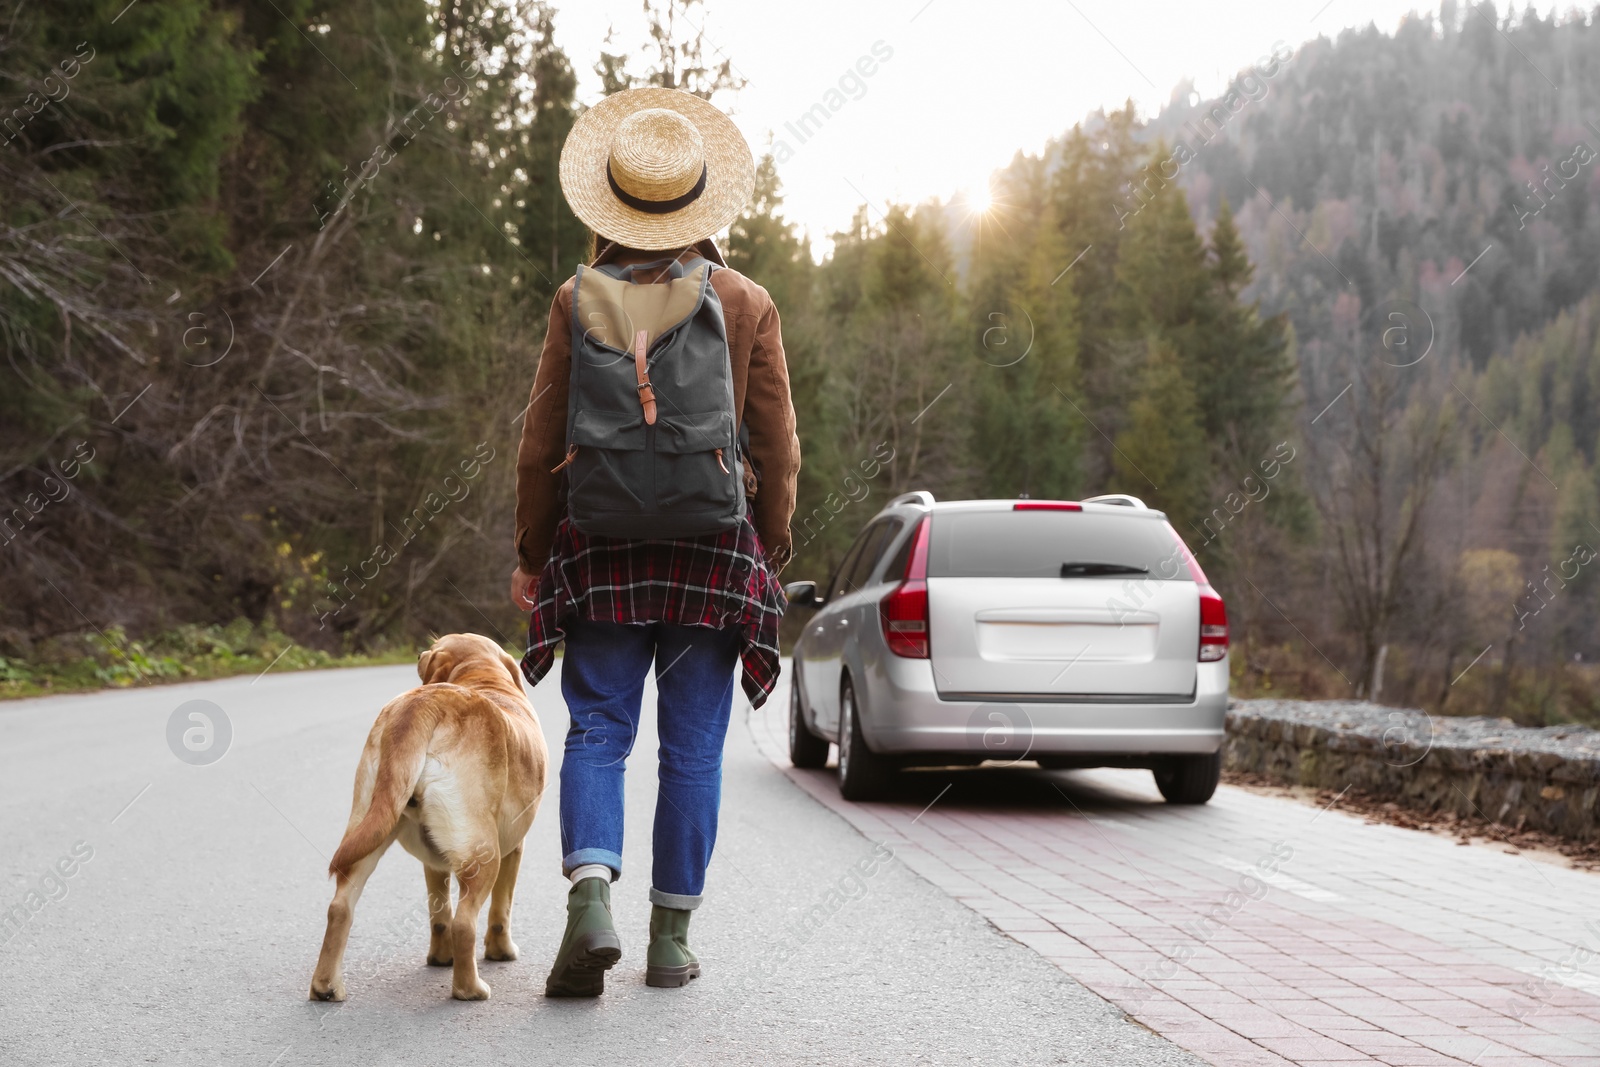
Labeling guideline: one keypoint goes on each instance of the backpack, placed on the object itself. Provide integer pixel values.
(652, 442)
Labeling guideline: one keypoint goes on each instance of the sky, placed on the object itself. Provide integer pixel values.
(929, 97)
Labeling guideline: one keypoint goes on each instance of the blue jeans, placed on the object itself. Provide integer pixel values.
(602, 680)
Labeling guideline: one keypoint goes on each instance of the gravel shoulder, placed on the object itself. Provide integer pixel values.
(1399, 727)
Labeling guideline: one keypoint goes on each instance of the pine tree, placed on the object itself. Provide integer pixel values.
(763, 245)
(1163, 285)
(678, 38)
(1231, 268)
(280, 252)
(1242, 371)
(1085, 191)
(1161, 455)
(1023, 341)
(899, 359)
(553, 237)
(612, 67)
(1163, 297)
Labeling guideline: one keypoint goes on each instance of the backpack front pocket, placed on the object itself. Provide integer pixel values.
(696, 462)
(610, 469)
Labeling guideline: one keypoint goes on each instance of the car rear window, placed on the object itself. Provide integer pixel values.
(1035, 544)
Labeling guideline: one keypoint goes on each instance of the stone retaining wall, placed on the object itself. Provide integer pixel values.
(1540, 779)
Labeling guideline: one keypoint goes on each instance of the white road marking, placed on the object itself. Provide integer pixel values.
(1278, 881)
(1579, 980)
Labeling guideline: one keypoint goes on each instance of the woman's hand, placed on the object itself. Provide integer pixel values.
(522, 589)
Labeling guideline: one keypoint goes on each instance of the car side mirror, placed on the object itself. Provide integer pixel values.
(802, 595)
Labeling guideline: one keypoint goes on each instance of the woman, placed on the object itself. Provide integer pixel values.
(654, 173)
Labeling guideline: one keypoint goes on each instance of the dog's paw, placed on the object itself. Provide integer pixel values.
(325, 990)
(479, 993)
(501, 949)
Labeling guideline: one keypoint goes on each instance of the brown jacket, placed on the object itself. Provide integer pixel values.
(760, 380)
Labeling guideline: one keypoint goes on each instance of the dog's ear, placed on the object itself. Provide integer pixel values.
(511, 666)
(422, 664)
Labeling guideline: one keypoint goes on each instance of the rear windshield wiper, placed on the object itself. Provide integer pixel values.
(1089, 570)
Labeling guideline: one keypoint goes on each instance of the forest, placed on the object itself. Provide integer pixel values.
(274, 277)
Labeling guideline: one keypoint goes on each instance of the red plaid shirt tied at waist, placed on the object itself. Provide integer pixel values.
(720, 581)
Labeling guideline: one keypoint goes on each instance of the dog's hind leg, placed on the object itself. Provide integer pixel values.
(497, 943)
(476, 879)
(439, 916)
(327, 982)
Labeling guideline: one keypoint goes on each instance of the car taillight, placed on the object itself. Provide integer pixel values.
(1046, 505)
(1213, 613)
(904, 612)
(905, 620)
(1213, 626)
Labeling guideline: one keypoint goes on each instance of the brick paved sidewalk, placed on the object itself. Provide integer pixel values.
(1256, 931)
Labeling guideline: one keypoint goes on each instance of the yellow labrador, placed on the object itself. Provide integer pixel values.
(453, 770)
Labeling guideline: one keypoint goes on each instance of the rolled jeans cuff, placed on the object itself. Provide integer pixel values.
(573, 860)
(679, 901)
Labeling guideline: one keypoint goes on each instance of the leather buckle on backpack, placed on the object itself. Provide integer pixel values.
(572, 453)
(647, 392)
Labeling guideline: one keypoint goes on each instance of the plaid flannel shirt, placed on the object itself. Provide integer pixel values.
(718, 581)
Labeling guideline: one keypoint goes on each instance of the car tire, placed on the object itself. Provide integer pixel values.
(863, 773)
(1189, 779)
(806, 749)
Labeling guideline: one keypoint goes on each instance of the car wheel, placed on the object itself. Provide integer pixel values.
(863, 773)
(1189, 779)
(806, 749)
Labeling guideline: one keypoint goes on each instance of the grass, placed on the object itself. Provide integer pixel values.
(111, 660)
(1529, 694)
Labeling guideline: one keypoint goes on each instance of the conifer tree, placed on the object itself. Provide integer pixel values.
(1023, 340)
(1242, 371)
(1085, 191)
(294, 247)
(1161, 455)
(553, 237)
(675, 57)
(899, 356)
(763, 245)
(1163, 286)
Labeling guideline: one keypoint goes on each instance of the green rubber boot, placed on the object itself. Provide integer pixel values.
(669, 962)
(590, 947)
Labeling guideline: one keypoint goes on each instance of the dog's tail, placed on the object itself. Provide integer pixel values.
(402, 750)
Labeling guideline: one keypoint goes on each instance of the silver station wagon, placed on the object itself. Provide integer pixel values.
(1073, 634)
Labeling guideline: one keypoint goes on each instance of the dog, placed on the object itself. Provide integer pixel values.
(454, 770)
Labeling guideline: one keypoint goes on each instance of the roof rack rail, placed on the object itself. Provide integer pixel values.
(1120, 499)
(920, 496)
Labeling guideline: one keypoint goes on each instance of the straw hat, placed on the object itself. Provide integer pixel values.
(656, 169)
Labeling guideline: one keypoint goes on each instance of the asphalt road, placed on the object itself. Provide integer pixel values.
(188, 926)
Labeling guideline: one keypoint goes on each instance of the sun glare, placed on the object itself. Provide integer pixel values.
(980, 200)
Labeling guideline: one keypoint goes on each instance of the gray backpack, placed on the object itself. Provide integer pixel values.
(652, 445)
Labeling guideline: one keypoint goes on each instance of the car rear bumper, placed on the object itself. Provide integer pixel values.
(904, 713)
